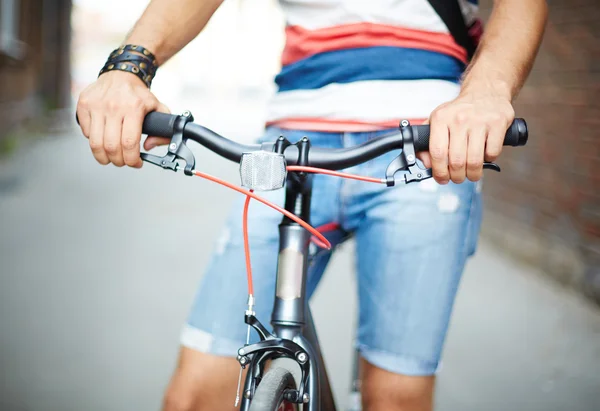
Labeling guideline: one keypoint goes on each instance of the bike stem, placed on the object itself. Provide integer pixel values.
(289, 311)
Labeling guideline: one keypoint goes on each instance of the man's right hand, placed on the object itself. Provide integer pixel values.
(111, 112)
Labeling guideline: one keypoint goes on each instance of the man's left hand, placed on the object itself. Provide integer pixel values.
(465, 132)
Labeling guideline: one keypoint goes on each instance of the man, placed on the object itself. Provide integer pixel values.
(351, 69)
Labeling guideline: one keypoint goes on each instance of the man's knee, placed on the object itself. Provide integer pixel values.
(202, 382)
(178, 400)
(184, 389)
(383, 390)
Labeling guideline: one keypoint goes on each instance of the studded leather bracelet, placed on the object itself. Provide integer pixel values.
(132, 59)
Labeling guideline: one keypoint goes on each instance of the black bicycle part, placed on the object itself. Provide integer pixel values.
(177, 147)
(291, 317)
(515, 136)
(289, 313)
(269, 347)
(417, 137)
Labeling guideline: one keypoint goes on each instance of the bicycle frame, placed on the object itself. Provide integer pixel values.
(291, 317)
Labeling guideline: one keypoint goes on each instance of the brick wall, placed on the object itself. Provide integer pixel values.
(545, 205)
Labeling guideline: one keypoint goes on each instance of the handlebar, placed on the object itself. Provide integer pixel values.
(164, 125)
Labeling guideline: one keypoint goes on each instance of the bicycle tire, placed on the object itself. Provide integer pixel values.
(269, 393)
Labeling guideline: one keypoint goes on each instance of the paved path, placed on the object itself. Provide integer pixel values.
(89, 320)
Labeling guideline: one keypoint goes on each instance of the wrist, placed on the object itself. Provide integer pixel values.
(483, 79)
(134, 59)
(491, 87)
(122, 77)
(157, 47)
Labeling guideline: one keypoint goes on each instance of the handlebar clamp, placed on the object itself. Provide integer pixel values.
(178, 150)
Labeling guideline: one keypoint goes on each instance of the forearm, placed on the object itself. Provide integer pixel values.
(169, 25)
(508, 48)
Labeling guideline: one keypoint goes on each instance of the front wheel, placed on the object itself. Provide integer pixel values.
(269, 393)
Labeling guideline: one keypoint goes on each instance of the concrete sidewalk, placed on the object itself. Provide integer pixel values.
(89, 320)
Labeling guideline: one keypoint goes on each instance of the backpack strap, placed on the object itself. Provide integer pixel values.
(451, 14)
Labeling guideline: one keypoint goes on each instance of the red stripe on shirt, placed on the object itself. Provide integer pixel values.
(302, 43)
(335, 125)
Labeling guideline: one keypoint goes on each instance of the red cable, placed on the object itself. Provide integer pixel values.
(335, 173)
(289, 215)
(317, 242)
(317, 236)
(325, 228)
(247, 246)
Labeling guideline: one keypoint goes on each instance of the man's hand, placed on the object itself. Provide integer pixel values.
(465, 132)
(111, 112)
(471, 128)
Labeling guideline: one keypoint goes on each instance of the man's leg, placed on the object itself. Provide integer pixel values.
(202, 382)
(412, 243)
(384, 390)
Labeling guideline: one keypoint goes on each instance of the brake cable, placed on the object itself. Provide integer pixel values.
(317, 237)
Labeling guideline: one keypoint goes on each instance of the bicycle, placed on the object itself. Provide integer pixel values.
(296, 377)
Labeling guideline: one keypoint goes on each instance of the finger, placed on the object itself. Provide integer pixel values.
(130, 140)
(163, 108)
(425, 158)
(495, 142)
(97, 139)
(152, 142)
(458, 153)
(84, 119)
(438, 150)
(84, 116)
(475, 153)
(112, 140)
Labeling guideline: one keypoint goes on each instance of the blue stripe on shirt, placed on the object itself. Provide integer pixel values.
(370, 63)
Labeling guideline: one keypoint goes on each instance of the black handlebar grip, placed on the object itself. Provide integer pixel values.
(159, 124)
(516, 135)
(155, 124)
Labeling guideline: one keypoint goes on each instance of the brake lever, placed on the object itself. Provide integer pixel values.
(178, 150)
(168, 161)
(407, 160)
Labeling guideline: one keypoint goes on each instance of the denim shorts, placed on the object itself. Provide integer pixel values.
(412, 242)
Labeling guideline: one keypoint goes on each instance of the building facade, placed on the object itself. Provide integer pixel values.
(34, 60)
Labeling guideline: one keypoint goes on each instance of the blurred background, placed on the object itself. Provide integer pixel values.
(98, 266)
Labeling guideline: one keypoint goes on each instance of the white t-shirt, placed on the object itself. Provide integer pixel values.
(351, 65)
